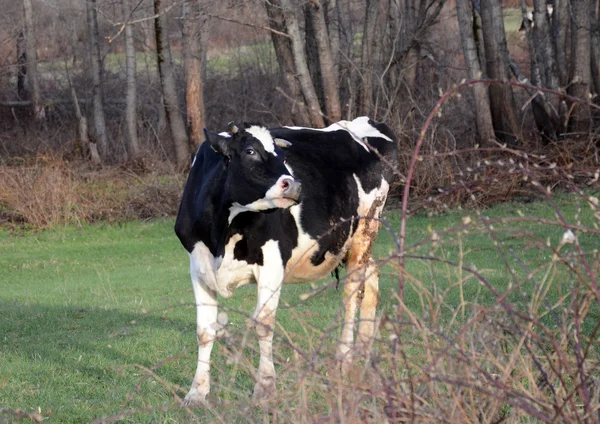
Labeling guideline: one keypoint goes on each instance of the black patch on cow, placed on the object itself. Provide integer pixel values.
(258, 228)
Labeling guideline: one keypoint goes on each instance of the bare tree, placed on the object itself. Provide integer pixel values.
(580, 75)
(326, 63)
(595, 28)
(544, 73)
(195, 37)
(95, 58)
(131, 143)
(169, 89)
(306, 83)
(82, 128)
(485, 129)
(21, 66)
(502, 102)
(544, 46)
(367, 56)
(285, 58)
(560, 31)
(31, 59)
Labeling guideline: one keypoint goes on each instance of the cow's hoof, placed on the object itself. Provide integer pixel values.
(194, 399)
(264, 389)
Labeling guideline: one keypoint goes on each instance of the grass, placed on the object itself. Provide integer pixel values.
(89, 314)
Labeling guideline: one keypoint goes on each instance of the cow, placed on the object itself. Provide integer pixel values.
(284, 205)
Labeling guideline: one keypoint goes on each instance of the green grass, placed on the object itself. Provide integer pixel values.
(83, 308)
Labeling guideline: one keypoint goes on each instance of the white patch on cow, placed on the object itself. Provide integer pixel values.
(273, 199)
(233, 273)
(365, 200)
(270, 275)
(225, 134)
(203, 265)
(359, 128)
(264, 136)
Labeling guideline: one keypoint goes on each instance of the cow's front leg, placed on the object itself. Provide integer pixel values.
(270, 279)
(206, 318)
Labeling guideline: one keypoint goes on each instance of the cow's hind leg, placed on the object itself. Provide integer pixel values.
(270, 279)
(206, 318)
(361, 290)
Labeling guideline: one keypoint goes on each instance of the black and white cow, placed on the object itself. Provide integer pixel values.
(242, 220)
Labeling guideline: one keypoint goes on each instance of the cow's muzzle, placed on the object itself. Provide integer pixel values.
(291, 188)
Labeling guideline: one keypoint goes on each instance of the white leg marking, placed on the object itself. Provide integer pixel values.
(206, 318)
(270, 279)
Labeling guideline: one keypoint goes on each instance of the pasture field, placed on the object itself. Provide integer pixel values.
(99, 319)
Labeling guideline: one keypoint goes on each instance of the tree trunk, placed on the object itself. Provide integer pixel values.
(485, 129)
(545, 47)
(308, 89)
(100, 135)
(169, 88)
(580, 65)
(502, 102)
(131, 141)
(546, 113)
(21, 67)
(285, 58)
(195, 37)
(31, 53)
(366, 59)
(326, 62)
(334, 28)
(312, 54)
(560, 30)
(83, 125)
(478, 34)
(595, 25)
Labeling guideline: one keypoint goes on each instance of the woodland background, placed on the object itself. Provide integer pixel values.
(113, 81)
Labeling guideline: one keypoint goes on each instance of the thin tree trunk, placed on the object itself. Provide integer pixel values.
(285, 58)
(560, 29)
(312, 54)
(366, 97)
(333, 27)
(485, 129)
(131, 141)
(195, 37)
(581, 70)
(30, 49)
(96, 66)
(546, 113)
(308, 89)
(21, 66)
(478, 34)
(169, 88)
(543, 44)
(82, 128)
(595, 25)
(326, 62)
(502, 102)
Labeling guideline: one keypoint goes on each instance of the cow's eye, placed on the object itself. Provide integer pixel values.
(249, 151)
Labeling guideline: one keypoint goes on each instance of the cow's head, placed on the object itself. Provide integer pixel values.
(257, 177)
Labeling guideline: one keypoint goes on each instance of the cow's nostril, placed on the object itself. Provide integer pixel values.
(285, 185)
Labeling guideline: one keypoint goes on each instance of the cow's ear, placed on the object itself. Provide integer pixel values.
(280, 142)
(220, 144)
